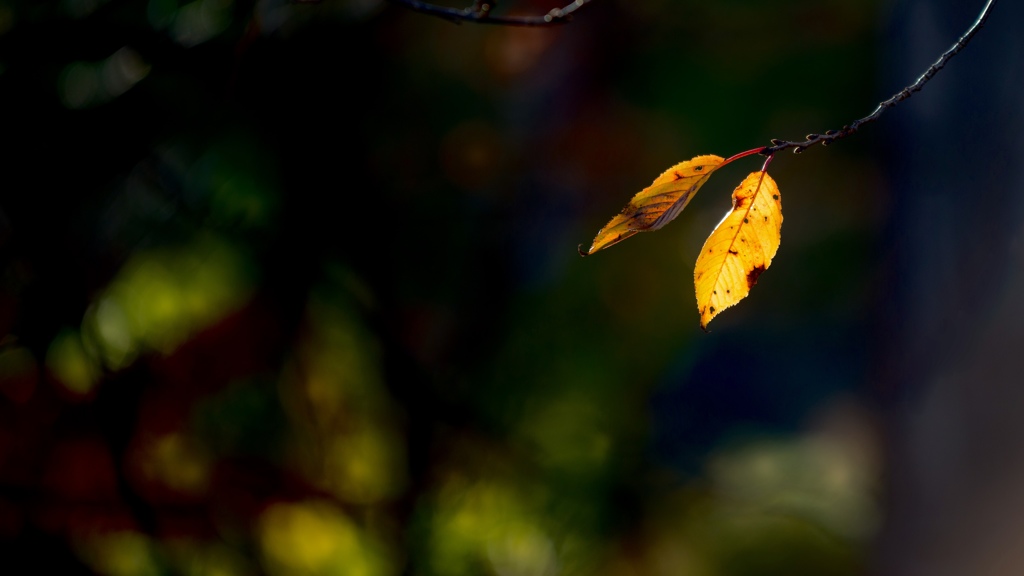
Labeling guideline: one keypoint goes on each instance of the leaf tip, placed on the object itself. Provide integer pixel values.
(583, 253)
(707, 314)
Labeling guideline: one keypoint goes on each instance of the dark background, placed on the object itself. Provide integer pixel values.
(293, 289)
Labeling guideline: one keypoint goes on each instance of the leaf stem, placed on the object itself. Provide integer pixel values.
(833, 135)
(741, 155)
(480, 13)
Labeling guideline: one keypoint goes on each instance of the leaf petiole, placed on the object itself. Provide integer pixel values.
(741, 155)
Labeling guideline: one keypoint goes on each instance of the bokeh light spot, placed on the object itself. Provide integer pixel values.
(197, 558)
(113, 333)
(316, 538)
(87, 84)
(491, 523)
(75, 369)
(350, 441)
(570, 432)
(522, 550)
(815, 478)
(163, 296)
(366, 466)
(200, 21)
(119, 554)
(179, 462)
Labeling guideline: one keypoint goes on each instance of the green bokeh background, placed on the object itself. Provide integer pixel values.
(293, 289)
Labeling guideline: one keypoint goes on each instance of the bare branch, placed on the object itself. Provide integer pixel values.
(480, 13)
(833, 135)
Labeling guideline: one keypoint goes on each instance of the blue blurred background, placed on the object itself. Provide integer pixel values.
(292, 289)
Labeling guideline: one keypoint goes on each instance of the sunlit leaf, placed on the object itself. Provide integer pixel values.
(741, 247)
(659, 203)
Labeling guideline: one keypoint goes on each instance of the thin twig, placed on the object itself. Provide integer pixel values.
(833, 135)
(480, 13)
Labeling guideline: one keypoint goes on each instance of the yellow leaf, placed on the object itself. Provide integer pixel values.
(741, 247)
(659, 203)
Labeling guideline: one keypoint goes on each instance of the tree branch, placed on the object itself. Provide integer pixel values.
(480, 13)
(833, 135)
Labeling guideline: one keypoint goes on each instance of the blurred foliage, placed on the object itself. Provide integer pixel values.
(292, 289)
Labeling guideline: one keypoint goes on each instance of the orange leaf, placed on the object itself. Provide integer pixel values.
(741, 247)
(659, 203)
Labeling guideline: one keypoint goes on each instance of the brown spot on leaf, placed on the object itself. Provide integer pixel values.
(754, 273)
(746, 260)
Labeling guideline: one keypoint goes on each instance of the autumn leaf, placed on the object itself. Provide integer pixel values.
(659, 203)
(741, 247)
